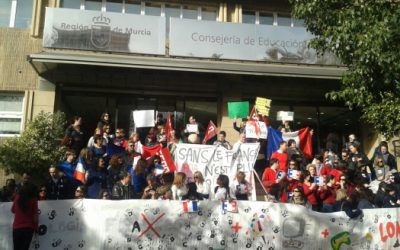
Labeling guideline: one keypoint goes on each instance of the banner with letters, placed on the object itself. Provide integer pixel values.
(104, 31)
(212, 161)
(152, 224)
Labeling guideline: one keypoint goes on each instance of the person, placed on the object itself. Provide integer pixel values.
(222, 191)
(321, 168)
(179, 188)
(390, 199)
(42, 195)
(174, 141)
(285, 127)
(80, 192)
(388, 158)
(202, 186)
(282, 156)
(104, 194)
(151, 138)
(104, 120)
(96, 178)
(241, 127)
(295, 154)
(97, 132)
(115, 167)
(8, 191)
(270, 175)
(161, 136)
(25, 209)
(163, 193)
(192, 193)
(150, 190)
(221, 141)
(193, 131)
(160, 121)
(139, 174)
(242, 139)
(352, 140)
(25, 179)
(84, 163)
(74, 132)
(135, 140)
(346, 203)
(98, 149)
(382, 171)
(118, 144)
(356, 155)
(242, 188)
(327, 194)
(67, 169)
(299, 198)
(122, 190)
(310, 190)
(57, 186)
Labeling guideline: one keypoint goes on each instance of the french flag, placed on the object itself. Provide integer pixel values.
(230, 206)
(190, 206)
(79, 173)
(302, 137)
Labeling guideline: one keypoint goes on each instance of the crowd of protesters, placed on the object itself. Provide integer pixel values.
(113, 167)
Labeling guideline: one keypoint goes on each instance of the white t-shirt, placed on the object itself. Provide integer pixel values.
(203, 188)
(177, 192)
(221, 194)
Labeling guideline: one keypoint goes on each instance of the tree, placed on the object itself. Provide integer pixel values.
(37, 148)
(365, 36)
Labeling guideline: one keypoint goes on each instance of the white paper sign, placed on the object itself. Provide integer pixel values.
(253, 132)
(143, 118)
(192, 128)
(285, 116)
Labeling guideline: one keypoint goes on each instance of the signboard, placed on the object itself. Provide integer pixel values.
(238, 109)
(263, 105)
(143, 118)
(285, 116)
(155, 224)
(219, 40)
(104, 31)
(212, 161)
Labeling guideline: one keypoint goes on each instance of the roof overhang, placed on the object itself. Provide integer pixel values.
(47, 61)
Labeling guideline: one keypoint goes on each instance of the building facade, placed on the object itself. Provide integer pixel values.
(84, 57)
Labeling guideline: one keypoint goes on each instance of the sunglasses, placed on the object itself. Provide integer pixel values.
(78, 190)
(43, 190)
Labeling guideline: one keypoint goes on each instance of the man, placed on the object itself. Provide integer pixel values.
(118, 143)
(123, 190)
(242, 139)
(270, 175)
(221, 140)
(57, 187)
(282, 156)
(388, 158)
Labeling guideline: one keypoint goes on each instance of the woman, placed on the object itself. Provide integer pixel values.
(74, 132)
(97, 132)
(202, 186)
(312, 169)
(104, 120)
(98, 149)
(310, 190)
(96, 178)
(80, 192)
(241, 186)
(135, 140)
(179, 188)
(114, 169)
(139, 177)
(327, 193)
(192, 193)
(299, 198)
(42, 195)
(173, 141)
(223, 191)
(150, 191)
(25, 208)
(104, 195)
(84, 163)
(382, 171)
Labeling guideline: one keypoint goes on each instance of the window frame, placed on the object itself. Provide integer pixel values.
(14, 114)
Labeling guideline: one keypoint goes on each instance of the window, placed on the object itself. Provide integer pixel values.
(249, 17)
(114, 6)
(298, 23)
(132, 8)
(152, 9)
(11, 108)
(71, 4)
(5, 13)
(92, 5)
(207, 14)
(190, 12)
(266, 18)
(23, 16)
(284, 20)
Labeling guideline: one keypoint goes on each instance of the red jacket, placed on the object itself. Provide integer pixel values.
(328, 195)
(269, 177)
(26, 219)
(283, 160)
(311, 194)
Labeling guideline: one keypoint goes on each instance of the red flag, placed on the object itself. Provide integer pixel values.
(168, 127)
(211, 132)
(305, 142)
(164, 154)
(253, 120)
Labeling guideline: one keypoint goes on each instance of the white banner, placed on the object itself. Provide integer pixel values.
(151, 224)
(143, 118)
(222, 40)
(212, 161)
(104, 31)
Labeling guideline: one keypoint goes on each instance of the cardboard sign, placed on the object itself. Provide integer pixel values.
(263, 105)
(143, 118)
(238, 109)
(285, 116)
(192, 128)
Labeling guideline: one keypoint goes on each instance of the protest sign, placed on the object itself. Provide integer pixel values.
(263, 105)
(192, 128)
(143, 118)
(212, 161)
(238, 109)
(285, 116)
(152, 224)
(256, 130)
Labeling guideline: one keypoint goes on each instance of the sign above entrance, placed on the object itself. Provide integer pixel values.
(101, 31)
(205, 39)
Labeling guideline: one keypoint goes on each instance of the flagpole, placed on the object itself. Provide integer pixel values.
(258, 178)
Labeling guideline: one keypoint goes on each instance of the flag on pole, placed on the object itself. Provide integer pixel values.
(166, 159)
(210, 133)
(190, 206)
(302, 137)
(168, 127)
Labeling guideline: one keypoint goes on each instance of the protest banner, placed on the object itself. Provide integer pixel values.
(212, 161)
(143, 118)
(238, 109)
(152, 224)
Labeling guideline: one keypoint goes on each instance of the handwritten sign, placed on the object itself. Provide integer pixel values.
(263, 105)
(143, 118)
(285, 116)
